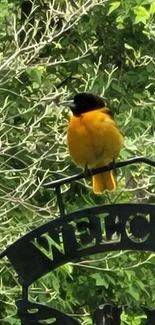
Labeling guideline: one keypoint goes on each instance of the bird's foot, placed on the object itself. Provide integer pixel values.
(113, 165)
(87, 171)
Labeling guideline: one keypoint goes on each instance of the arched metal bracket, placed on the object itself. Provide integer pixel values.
(75, 235)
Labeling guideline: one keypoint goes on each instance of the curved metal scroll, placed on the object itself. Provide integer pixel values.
(73, 236)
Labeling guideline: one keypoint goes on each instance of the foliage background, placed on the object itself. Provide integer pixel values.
(49, 50)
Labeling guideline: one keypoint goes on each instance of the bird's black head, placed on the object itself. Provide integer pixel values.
(84, 102)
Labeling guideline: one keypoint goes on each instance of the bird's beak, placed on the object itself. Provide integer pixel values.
(69, 103)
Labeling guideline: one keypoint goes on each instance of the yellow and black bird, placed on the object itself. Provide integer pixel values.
(93, 138)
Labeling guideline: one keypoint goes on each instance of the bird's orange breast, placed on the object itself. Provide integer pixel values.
(93, 139)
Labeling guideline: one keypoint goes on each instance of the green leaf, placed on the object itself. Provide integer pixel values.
(130, 274)
(113, 7)
(99, 280)
(35, 75)
(133, 293)
(152, 8)
(142, 15)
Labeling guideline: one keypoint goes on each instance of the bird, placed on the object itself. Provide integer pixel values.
(93, 137)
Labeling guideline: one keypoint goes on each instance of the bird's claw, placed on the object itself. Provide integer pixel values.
(87, 171)
(113, 165)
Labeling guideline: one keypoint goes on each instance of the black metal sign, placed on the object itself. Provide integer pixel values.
(73, 236)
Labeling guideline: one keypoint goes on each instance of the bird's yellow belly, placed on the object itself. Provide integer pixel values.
(93, 141)
(80, 147)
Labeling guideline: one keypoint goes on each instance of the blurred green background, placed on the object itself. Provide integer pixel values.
(50, 50)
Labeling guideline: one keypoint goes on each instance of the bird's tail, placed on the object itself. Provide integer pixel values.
(103, 181)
